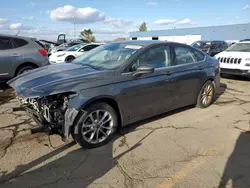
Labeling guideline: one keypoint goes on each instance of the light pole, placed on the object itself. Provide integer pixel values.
(74, 28)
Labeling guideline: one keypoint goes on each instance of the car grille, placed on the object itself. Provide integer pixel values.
(230, 60)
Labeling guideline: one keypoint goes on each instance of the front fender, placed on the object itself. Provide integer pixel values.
(80, 103)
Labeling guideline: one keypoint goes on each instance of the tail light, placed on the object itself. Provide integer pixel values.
(43, 52)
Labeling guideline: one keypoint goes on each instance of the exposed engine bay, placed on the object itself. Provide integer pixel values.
(51, 114)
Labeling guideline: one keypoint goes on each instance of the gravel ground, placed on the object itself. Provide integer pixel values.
(186, 148)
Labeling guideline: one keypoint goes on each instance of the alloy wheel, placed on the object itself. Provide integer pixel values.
(207, 94)
(97, 126)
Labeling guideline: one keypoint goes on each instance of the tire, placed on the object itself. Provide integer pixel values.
(207, 92)
(24, 69)
(86, 126)
(69, 59)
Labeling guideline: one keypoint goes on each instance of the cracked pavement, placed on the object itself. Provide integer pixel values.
(186, 148)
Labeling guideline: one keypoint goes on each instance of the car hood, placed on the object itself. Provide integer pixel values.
(233, 54)
(59, 78)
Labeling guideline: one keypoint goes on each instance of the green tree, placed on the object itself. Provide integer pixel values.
(87, 34)
(143, 27)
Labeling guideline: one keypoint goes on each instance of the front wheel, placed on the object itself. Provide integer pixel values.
(96, 126)
(206, 95)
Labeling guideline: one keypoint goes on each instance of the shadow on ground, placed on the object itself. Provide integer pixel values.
(78, 168)
(221, 90)
(6, 94)
(234, 77)
(237, 169)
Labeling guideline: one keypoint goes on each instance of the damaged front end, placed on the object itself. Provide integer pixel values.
(51, 114)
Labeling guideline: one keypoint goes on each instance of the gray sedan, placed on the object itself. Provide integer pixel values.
(114, 85)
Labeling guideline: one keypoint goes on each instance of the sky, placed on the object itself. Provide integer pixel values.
(110, 19)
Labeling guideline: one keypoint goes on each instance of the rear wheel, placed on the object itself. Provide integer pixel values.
(24, 69)
(206, 95)
(96, 126)
(69, 59)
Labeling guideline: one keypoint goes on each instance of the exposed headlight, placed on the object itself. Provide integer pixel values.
(60, 55)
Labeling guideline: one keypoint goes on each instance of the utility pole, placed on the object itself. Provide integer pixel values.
(74, 28)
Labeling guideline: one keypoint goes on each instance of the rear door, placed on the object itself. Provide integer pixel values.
(6, 57)
(189, 73)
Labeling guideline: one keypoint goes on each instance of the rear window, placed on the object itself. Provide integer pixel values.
(199, 56)
(20, 42)
(40, 44)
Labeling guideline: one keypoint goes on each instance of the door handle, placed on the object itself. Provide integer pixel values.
(15, 55)
(201, 67)
(168, 73)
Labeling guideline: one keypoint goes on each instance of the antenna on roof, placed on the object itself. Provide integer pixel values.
(18, 32)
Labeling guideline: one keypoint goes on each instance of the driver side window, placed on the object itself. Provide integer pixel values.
(158, 57)
(88, 48)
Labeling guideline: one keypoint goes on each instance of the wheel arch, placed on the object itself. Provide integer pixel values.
(69, 56)
(110, 101)
(207, 79)
(24, 65)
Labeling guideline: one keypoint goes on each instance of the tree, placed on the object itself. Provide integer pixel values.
(87, 34)
(143, 27)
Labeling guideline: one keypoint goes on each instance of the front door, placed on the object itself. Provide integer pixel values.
(149, 94)
(5, 57)
(189, 72)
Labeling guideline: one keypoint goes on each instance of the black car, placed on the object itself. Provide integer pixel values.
(115, 85)
(211, 47)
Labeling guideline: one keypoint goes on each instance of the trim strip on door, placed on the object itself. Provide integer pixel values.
(3, 74)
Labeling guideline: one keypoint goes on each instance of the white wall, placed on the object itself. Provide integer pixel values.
(186, 39)
(144, 38)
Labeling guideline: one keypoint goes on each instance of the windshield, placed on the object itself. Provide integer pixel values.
(201, 44)
(75, 48)
(239, 47)
(108, 56)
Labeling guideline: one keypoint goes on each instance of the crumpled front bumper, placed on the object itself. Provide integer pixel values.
(69, 119)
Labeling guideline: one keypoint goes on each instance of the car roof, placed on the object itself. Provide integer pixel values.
(210, 41)
(16, 36)
(246, 42)
(143, 43)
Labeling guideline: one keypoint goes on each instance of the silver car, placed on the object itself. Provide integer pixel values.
(19, 55)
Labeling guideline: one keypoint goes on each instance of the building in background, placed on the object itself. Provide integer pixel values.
(229, 33)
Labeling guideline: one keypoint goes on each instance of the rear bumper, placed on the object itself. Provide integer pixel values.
(235, 72)
(217, 81)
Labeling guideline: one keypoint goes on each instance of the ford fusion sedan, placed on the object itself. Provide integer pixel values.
(114, 85)
(72, 53)
(236, 59)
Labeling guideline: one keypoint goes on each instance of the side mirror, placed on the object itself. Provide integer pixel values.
(143, 70)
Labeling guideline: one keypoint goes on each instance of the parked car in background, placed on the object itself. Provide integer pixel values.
(72, 53)
(64, 46)
(211, 47)
(236, 59)
(115, 85)
(244, 40)
(19, 55)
